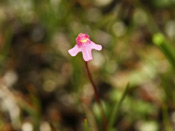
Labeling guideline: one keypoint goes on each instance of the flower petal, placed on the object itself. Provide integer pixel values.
(74, 51)
(87, 54)
(95, 46)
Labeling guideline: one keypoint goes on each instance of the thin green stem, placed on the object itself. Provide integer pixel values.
(86, 125)
(117, 107)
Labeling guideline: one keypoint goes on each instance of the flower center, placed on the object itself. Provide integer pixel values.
(84, 40)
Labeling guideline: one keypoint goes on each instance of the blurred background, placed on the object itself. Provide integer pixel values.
(43, 88)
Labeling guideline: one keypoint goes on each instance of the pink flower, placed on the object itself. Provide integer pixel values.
(84, 45)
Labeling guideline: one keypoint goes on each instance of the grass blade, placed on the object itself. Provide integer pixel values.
(117, 107)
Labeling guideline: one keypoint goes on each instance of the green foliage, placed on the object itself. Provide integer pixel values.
(165, 47)
(50, 89)
(117, 107)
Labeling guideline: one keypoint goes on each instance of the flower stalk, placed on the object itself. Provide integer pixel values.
(97, 98)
